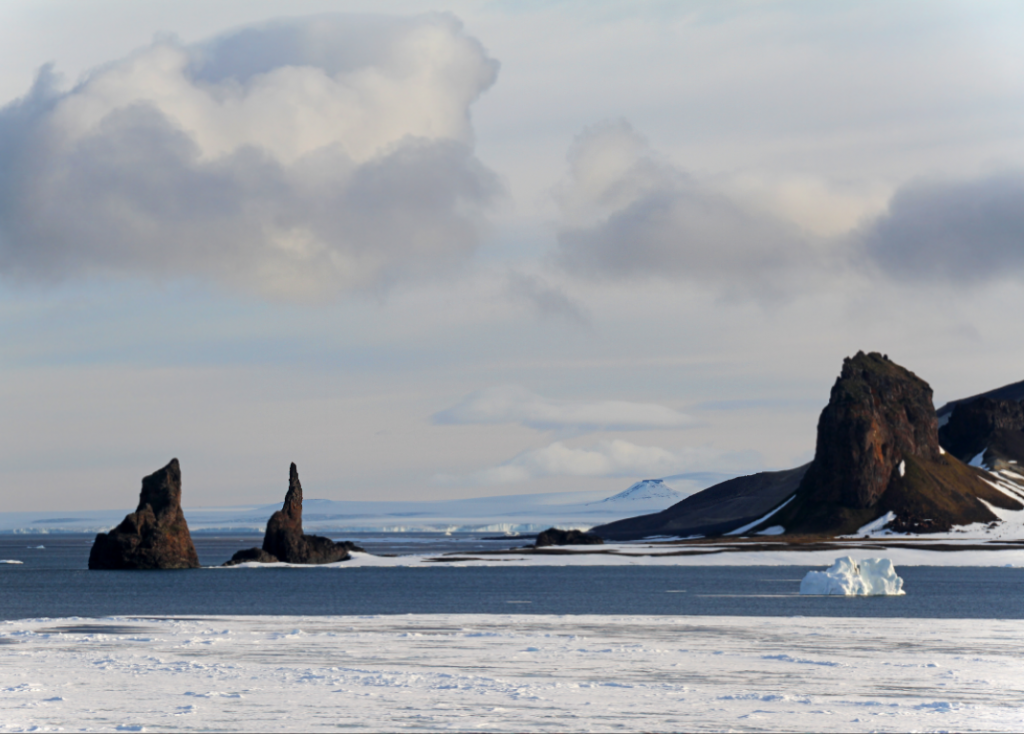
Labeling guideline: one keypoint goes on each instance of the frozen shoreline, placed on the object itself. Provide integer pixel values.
(510, 673)
(716, 554)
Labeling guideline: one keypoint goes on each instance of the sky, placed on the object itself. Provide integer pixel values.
(434, 251)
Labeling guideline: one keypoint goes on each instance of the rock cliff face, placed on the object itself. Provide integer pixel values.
(155, 535)
(285, 541)
(878, 451)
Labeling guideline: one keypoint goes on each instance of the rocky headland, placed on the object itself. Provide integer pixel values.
(877, 452)
(284, 540)
(156, 535)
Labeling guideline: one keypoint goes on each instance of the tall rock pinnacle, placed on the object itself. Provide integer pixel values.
(284, 539)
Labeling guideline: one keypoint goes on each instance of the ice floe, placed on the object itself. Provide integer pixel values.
(847, 577)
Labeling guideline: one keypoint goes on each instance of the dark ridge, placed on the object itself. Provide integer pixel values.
(713, 511)
(1014, 392)
(972, 426)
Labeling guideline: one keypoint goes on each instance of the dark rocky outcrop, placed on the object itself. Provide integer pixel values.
(877, 452)
(713, 511)
(156, 535)
(985, 425)
(554, 536)
(252, 555)
(284, 540)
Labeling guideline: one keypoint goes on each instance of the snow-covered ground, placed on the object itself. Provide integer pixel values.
(511, 673)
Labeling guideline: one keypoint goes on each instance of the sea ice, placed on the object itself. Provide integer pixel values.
(847, 577)
(509, 673)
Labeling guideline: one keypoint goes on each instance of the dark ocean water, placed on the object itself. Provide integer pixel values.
(53, 581)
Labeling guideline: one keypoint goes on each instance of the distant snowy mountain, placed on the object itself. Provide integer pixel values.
(647, 492)
(513, 514)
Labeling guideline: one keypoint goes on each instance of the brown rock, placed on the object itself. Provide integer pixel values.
(878, 415)
(285, 540)
(155, 535)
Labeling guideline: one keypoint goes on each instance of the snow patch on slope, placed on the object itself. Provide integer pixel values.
(758, 521)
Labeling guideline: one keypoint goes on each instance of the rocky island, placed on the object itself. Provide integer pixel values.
(156, 535)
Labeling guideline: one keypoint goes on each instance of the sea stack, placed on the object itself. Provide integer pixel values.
(878, 452)
(156, 535)
(285, 541)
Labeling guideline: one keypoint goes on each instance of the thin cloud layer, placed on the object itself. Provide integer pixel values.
(628, 213)
(296, 158)
(513, 404)
(612, 458)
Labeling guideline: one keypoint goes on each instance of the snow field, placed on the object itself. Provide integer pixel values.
(510, 673)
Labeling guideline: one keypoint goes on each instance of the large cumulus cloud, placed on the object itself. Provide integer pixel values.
(300, 157)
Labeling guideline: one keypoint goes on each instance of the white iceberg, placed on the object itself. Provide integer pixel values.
(847, 577)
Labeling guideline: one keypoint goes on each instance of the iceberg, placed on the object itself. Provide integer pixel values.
(847, 577)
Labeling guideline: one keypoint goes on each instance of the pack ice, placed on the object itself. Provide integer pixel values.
(847, 577)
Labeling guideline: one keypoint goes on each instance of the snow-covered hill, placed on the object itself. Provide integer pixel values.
(646, 492)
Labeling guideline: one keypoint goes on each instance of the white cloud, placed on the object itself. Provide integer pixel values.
(296, 158)
(513, 404)
(613, 458)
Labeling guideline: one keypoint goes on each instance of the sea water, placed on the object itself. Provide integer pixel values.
(53, 581)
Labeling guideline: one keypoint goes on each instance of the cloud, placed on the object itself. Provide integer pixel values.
(512, 404)
(297, 158)
(614, 458)
(545, 299)
(966, 231)
(629, 213)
